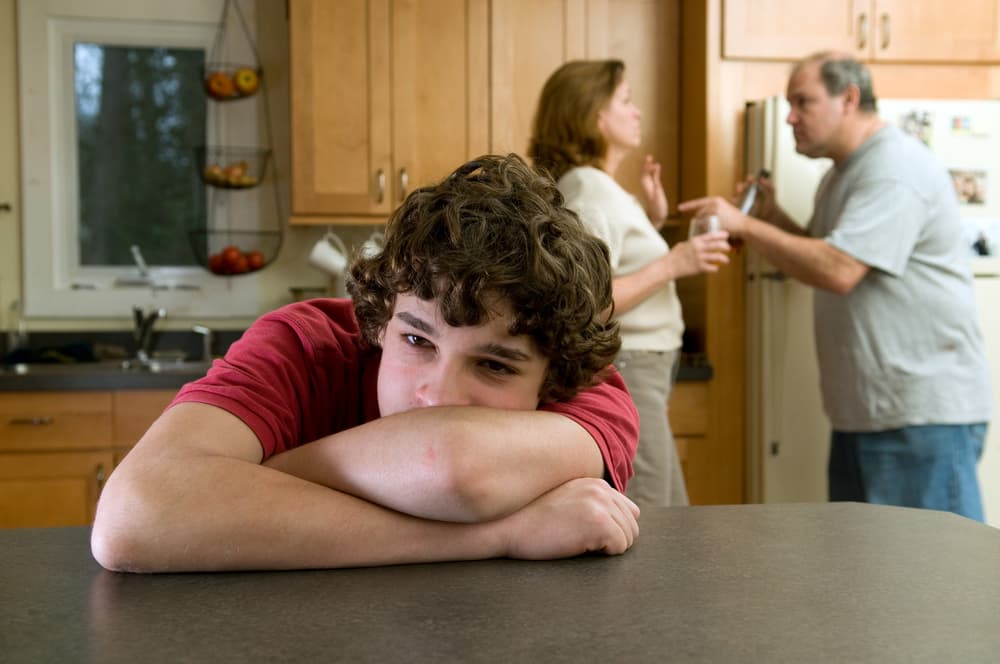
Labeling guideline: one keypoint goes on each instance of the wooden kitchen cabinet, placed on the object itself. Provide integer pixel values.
(873, 30)
(134, 411)
(386, 95)
(688, 414)
(51, 488)
(58, 448)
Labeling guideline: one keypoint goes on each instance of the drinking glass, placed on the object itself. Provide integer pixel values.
(704, 224)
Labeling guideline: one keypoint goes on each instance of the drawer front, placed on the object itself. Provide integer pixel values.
(36, 421)
(688, 410)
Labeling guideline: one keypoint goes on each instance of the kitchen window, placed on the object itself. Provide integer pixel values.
(112, 108)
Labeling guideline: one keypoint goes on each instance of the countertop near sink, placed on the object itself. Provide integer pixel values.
(98, 376)
(111, 376)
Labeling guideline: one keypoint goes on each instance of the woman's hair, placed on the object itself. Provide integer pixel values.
(565, 132)
(496, 229)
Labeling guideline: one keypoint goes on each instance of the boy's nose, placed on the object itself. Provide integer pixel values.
(443, 389)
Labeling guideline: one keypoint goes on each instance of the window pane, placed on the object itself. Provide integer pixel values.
(139, 114)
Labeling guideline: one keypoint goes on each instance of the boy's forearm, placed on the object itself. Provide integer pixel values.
(454, 464)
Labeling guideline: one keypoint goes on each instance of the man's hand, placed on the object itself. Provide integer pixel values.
(577, 517)
(730, 218)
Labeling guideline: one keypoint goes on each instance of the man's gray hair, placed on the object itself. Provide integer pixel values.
(838, 71)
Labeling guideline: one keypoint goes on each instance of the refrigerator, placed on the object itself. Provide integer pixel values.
(788, 433)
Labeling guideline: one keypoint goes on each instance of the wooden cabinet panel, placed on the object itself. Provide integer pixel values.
(387, 95)
(339, 72)
(134, 411)
(688, 409)
(440, 93)
(51, 488)
(935, 30)
(37, 421)
(877, 30)
(792, 28)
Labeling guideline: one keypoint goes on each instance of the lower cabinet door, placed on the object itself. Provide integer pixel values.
(51, 488)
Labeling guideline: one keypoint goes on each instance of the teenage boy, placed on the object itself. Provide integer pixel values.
(461, 407)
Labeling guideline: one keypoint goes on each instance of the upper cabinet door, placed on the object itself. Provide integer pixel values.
(440, 89)
(959, 31)
(340, 123)
(529, 40)
(792, 29)
(966, 31)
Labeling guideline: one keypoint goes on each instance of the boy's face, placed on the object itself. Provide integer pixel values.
(426, 362)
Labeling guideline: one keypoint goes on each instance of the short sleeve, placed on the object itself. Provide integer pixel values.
(879, 225)
(607, 412)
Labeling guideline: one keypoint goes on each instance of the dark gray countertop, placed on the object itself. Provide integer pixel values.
(752, 583)
(110, 376)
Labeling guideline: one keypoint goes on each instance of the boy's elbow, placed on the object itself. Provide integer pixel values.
(475, 493)
(121, 539)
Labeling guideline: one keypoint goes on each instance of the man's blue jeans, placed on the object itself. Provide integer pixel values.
(932, 466)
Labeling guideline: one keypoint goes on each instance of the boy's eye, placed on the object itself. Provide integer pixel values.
(498, 368)
(416, 340)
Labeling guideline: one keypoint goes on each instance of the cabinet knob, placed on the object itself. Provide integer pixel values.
(380, 186)
(885, 30)
(404, 184)
(862, 31)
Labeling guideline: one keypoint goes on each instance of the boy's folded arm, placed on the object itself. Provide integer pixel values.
(184, 500)
(460, 463)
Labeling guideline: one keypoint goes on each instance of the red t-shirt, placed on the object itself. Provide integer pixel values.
(302, 372)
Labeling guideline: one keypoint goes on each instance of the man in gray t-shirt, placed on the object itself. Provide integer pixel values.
(903, 371)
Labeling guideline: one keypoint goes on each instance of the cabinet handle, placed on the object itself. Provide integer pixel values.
(380, 184)
(33, 421)
(885, 31)
(404, 184)
(862, 30)
(99, 477)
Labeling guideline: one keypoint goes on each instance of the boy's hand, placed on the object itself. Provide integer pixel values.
(579, 516)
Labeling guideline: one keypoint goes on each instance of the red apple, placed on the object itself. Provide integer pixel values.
(219, 85)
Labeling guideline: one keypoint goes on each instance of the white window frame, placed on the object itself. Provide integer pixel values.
(55, 285)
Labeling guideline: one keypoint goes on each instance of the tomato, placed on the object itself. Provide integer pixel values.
(240, 265)
(255, 260)
(230, 255)
(216, 264)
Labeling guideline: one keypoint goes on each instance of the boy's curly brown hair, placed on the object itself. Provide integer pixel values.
(496, 228)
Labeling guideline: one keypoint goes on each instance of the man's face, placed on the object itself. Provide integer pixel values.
(815, 116)
(426, 362)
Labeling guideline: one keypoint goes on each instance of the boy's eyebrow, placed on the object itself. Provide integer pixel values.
(505, 352)
(499, 350)
(418, 323)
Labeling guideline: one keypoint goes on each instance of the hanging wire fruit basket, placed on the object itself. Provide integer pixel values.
(229, 167)
(233, 253)
(236, 242)
(230, 74)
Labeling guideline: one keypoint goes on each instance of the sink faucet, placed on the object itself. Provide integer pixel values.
(207, 337)
(143, 332)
